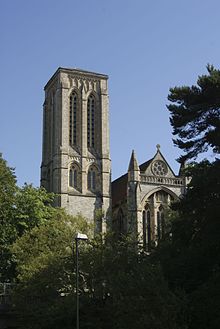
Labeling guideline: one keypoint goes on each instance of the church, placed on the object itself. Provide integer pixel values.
(76, 162)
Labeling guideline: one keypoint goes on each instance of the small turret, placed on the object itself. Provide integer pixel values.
(133, 194)
(182, 167)
(133, 169)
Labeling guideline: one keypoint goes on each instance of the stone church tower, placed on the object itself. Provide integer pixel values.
(76, 160)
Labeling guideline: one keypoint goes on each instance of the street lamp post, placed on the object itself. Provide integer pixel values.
(79, 236)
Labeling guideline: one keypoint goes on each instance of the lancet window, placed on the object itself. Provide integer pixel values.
(91, 121)
(73, 115)
(146, 230)
(92, 179)
(74, 177)
(160, 223)
(121, 224)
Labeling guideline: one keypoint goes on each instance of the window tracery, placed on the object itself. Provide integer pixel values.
(159, 168)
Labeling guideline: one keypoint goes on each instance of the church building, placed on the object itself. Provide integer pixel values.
(141, 198)
(76, 163)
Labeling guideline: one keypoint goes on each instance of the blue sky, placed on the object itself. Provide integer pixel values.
(144, 46)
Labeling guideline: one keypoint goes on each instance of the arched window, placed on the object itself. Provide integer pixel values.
(74, 177)
(92, 179)
(73, 115)
(146, 230)
(91, 121)
(160, 223)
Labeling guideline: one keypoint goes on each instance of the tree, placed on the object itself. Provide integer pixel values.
(119, 288)
(127, 290)
(8, 191)
(7, 188)
(21, 209)
(45, 292)
(33, 207)
(191, 259)
(192, 256)
(204, 304)
(195, 115)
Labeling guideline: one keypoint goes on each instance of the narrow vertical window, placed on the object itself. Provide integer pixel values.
(91, 121)
(73, 177)
(92, 179)
(148, 231)
(70, 177)
(53, 123)
(89, 180)
(160, 224)
(144, 231)
(73, 120)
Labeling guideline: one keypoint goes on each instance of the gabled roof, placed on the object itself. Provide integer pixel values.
(144, 165)
(119, 185)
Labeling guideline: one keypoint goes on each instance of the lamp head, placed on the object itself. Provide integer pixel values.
(80, 236)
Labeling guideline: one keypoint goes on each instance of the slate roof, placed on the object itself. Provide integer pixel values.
(119, 185)
(119, 190)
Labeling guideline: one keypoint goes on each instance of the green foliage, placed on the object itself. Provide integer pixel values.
(190, 260)
(48, 242)
(195, 115)
(196, 230)
(33, 207)
(127, 290)
(119, 287)
(7, 189)
(204, 304)
(45, 267)
(21, 209)
(8, 234)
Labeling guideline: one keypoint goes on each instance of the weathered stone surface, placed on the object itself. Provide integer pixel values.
(60, 155)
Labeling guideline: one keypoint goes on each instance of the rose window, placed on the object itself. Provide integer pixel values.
(159, 168)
